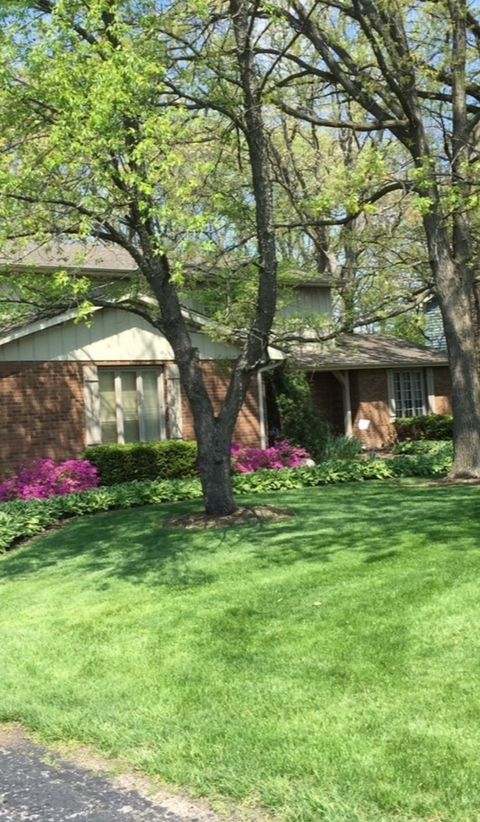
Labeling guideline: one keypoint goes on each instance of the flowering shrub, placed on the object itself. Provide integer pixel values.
(45, 479)
(283, 454)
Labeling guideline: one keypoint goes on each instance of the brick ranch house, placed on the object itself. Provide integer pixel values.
(65, 385)
(363, 382)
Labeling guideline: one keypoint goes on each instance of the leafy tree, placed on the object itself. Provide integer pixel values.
(115, 117)
(412, 70)
(344, 212)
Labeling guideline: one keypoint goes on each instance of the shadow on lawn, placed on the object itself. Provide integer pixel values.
(130, 544)
(377, 521)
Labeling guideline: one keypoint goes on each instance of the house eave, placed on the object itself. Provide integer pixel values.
(335, 366)
(97, 273)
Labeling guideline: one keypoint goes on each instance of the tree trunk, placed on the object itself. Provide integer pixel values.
(213, 434)
(216, 473)
(454, 288)
(460, 335)
(460, 307)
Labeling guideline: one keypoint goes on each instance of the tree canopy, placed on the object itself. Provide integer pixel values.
(227, 146)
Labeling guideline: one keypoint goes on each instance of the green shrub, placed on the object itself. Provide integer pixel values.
(342, 448)
(21, 519)
(421, 465)
(429, 447)
(327, 473)
(301, 421)
(163, 459)
(430, 427)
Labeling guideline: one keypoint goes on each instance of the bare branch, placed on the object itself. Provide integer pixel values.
(375, 125)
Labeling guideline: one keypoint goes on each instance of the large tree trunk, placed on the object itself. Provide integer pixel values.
(460, 335)
(214, 447)
(213, 433)
(455, 292)
(457, 289)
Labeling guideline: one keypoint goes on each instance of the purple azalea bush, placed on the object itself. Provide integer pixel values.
(283, 454)
(46, 479)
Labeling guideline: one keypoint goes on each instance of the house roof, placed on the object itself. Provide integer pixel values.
(85, 257)
(101, 258)
(302, 279)
(349, 351)
(354, 351)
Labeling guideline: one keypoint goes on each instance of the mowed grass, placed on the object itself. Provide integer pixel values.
(324, 668)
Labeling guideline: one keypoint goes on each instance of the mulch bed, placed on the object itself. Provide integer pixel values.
(255, 514)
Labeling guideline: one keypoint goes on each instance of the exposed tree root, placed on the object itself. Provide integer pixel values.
(257, 514)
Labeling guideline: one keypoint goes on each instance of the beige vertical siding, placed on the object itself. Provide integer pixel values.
(113, 335)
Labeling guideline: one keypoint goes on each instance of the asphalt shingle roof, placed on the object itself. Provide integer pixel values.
(75, 255)
(366, 351)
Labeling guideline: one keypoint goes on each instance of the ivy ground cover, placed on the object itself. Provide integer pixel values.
(326, 667)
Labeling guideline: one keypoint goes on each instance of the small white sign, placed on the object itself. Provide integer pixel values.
(363, 425)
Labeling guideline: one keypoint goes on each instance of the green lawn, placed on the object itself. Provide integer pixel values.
(326, 667)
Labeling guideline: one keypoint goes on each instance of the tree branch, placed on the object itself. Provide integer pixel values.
(375, 125)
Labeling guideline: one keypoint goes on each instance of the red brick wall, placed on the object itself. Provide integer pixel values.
(42, 412)
(247, 429)
(369, 400)
(369, 397)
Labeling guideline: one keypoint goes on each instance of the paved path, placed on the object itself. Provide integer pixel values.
(36, 784)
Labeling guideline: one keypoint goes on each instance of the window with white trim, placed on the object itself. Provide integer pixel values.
(408, 393)
(131, 404)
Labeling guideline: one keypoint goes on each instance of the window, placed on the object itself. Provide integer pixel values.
(408, 393)
(131, 405)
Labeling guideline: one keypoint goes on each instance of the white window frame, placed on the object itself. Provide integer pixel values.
(391, 391)
(139, 372)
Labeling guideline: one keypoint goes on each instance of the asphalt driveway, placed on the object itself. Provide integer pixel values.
(36, 784)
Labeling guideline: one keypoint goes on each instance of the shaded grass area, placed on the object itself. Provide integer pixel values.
(325, 667)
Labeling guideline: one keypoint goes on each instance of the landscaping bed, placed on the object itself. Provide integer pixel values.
(22, 519)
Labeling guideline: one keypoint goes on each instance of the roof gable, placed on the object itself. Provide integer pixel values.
(114, 335)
